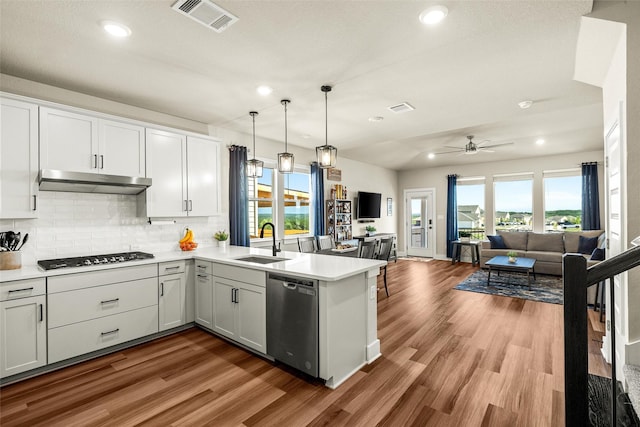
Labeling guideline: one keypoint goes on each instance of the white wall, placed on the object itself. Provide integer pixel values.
(437, 178)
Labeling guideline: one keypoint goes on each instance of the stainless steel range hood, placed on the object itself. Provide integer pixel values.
(81, 182)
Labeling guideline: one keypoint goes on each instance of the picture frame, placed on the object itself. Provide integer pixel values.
(334, 174)
(389, 206)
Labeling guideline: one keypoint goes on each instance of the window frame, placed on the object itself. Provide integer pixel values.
(514, 177)
(468, 181)
(553, 174)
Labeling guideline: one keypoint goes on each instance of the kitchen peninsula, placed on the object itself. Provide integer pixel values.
(347, 295)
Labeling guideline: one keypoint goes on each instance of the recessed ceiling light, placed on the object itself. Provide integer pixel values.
(376, 119)
(116, 29)
(306, 136)
(431, 155)
(525, 104)
(264, 90)
(540, 141)
(434, 14)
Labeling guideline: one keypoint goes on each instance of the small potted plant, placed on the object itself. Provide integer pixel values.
(221, 237)
(371, 230)
(513, 256)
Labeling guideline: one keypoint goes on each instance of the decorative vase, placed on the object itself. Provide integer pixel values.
(513, 259)
(222, 244)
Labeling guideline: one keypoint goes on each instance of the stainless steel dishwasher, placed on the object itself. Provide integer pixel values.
(292, 322)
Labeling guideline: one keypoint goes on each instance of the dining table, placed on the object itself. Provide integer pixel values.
(349, 252)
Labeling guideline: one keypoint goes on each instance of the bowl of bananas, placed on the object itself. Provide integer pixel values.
(187, 243)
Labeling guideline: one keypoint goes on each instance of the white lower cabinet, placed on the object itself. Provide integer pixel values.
(94, 310)
(23, 326)
(91, 335)
(239, 312)
(172, 293)
(204, 300)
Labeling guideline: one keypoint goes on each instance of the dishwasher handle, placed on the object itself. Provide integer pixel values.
(290, 286)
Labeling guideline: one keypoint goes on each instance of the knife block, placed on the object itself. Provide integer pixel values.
(10, 260)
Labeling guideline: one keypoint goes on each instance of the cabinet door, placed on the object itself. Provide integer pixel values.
(18, 159)
(171, 302)
(23, 332)
(224, 307)
(203, 176)
(68, 141)
(166, 163)
(121, 149)
(204, 300)
(251, 324)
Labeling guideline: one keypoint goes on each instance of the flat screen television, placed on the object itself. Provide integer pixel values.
(368, 205)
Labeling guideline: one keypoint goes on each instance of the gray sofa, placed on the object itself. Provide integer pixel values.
(546, 248)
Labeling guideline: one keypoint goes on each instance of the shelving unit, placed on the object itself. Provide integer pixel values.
(339, 219)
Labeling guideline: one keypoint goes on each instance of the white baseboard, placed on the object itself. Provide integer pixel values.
(632, 353)
(373, 351)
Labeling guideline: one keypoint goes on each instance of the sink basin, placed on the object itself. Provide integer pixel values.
(261, 259)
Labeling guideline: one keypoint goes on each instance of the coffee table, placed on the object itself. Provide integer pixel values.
(522, 265)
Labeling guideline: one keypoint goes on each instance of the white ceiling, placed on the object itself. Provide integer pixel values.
(463, 76)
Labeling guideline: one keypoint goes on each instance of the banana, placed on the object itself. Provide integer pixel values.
(188, 235)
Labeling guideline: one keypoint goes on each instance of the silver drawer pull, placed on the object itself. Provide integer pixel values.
(109, 301)
(172, 268)
(202, 266)
(21, 290)
(202, 276)
(102, 334)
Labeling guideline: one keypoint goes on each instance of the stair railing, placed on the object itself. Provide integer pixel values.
(577, 278)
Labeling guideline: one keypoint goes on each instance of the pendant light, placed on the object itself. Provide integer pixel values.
(326, 154)
(254, 167)
(285, 160)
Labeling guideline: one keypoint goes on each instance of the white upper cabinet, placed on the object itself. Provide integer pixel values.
(74, 142)
(18, 159)
(203, 172)
(166, 166)
(184, 172)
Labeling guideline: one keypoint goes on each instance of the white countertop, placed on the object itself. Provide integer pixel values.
(322, 267)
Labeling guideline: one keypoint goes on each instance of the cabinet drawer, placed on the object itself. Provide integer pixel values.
(171, 267)
(22, 289)
(241, 274)
(204, 267)
(99, 301)
(85, 337)
(70, 282)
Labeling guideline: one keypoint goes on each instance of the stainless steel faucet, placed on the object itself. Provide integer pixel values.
(273, 234)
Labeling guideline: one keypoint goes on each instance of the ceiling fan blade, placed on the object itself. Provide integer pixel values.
(481, 143)
(497, 145)
(484, 150)
(450, 152)
(455, 148)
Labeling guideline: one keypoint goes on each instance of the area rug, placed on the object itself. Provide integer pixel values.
(544, 288)
(600, 404)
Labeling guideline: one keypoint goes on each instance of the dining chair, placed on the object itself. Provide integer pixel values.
(386, 245)
(307, 244)
(326, 242)
(367, 249)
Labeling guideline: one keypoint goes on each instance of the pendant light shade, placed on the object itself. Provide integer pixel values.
(326, 154)
(285, 160)
(254, 167)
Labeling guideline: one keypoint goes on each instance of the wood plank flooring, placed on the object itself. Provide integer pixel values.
(450, 358)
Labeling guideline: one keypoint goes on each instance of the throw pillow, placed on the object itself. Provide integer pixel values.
(497, 242)
(586, 245)
(597, 254)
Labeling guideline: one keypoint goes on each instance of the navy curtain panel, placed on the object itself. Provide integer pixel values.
(590, 197)
(452, 213)
(238, 197)
(317, 189)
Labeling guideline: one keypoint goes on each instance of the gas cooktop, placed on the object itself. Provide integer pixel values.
(86, 261)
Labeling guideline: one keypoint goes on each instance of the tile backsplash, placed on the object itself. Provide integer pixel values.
(74, 224)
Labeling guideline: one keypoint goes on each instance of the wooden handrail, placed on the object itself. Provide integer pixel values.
(576, 279)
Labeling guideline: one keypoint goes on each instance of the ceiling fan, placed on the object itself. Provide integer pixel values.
(473, 148)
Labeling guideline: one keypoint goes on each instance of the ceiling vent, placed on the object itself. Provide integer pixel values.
(207, 13)
(402, 108)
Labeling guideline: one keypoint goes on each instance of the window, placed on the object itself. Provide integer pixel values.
(471, 214)
(261, 200)
(563, 200)
(297, 200)
(513, 202)
(282, 199)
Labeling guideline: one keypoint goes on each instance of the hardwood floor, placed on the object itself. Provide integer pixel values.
(450, 358)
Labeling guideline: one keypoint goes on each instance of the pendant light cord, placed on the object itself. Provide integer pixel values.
(253, 116)
(285, 126)
(326, 120)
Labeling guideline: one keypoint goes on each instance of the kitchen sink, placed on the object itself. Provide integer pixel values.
(261, 259)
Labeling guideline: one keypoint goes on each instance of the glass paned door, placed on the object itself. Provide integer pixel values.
(419, 230)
